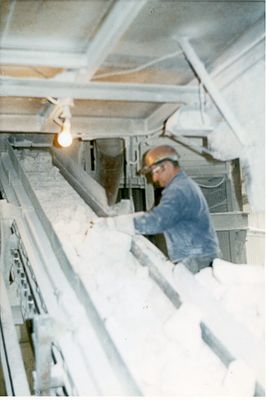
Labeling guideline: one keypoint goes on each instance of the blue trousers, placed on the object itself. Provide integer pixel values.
(196, 263)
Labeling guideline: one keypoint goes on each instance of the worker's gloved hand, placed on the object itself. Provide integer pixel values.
(121, 223)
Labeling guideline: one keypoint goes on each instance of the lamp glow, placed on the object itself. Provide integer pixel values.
(65, 137)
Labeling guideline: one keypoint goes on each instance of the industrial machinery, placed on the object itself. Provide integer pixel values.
(84, 315)
(74, 340)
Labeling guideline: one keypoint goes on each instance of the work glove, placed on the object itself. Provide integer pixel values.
(121, 223)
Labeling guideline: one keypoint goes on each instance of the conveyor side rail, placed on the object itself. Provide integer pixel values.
(51, 266)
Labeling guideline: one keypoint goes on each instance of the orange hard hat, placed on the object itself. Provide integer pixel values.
(157, 155)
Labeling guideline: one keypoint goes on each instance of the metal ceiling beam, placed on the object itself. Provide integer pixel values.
(101, 126)
(19, 123)
(42, 58)
(207, 81)
(84, 126)
(47, 115)
(113, 27)
(240, 48)
(243, 54)
(98, 91)
(7, 21)
(160, 115)
(235, 70)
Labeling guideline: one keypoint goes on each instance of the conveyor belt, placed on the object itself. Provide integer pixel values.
(98, 344)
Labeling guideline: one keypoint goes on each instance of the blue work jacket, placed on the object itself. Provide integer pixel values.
(183, 217)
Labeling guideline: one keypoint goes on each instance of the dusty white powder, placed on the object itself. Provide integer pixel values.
(239, 380)
(240, 288)
(161, 345)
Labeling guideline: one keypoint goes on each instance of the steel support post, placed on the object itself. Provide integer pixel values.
(205, 78)
(11, 359)
(10, 354)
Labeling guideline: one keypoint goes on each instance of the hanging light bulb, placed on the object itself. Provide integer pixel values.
(65, 137)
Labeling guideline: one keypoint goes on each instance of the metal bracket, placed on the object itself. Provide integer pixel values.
(222, 105)
(8, 241)
(42, 338)
(10, 354)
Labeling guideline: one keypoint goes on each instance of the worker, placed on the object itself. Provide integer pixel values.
(182, 214)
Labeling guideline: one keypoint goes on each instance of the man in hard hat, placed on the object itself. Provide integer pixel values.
(182, 214)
